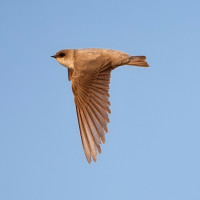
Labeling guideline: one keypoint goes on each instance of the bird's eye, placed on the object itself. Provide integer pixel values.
(61, 54)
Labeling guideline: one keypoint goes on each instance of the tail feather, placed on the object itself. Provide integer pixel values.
(138, 61)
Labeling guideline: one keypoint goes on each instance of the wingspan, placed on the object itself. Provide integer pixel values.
(91, 95)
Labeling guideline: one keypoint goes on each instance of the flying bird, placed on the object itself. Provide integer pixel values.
(89, 71)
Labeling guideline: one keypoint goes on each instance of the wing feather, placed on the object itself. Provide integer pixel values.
(103, 104)
(91, 95)
(90, 137)
(84, 139)
(101, 96)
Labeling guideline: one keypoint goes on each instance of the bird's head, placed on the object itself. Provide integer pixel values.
(63, 57)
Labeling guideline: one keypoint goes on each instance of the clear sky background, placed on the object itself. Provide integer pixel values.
(152, 150)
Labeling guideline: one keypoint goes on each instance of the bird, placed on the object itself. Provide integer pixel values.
(89, 71)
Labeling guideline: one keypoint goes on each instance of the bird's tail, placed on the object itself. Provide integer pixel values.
(138, 61)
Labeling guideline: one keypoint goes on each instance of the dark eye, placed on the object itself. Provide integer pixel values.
(61, 54)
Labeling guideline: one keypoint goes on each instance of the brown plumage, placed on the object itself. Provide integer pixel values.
(89, 70)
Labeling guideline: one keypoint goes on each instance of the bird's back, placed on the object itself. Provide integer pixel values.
(98, 56)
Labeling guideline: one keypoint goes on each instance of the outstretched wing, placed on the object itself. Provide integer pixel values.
(91, 93)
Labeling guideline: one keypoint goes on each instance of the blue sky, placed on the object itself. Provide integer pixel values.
(152, 149)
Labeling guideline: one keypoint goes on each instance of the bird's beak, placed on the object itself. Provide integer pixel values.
(54, 56)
